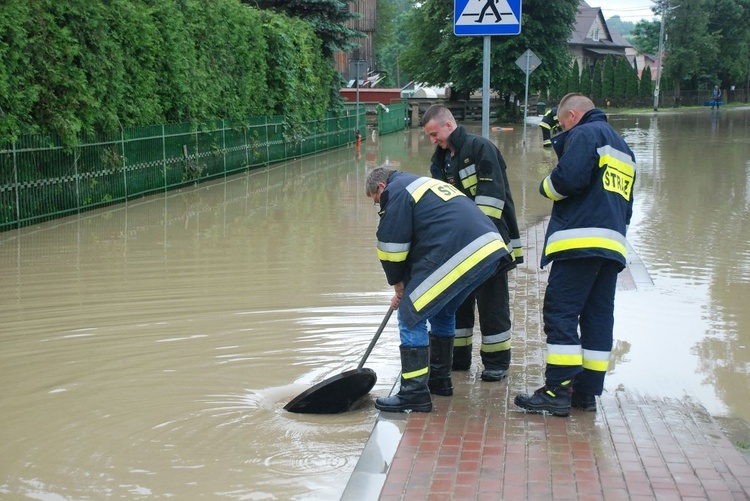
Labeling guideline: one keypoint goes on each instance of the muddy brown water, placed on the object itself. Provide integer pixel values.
(148, 348)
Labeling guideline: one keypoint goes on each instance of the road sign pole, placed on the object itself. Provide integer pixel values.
(486, 88)
(526, 97)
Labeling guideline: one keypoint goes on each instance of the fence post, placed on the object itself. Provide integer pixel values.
(224, 145)
(164, 155)
(247, 146)
(17, 185)
(78, 180)
(268, 142)
(124, 169)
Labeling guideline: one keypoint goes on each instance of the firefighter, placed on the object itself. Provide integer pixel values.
(435, 247)
(474, 165)
(592, 190)
(550, 126)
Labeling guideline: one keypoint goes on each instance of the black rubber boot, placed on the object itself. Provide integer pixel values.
(441, 359)
(496, 365)
(461, 358)
(583, 401)
(555, 400)
(414, 395)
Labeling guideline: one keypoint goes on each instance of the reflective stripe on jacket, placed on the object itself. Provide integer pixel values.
(479, 171)
(592, 190)
(435, 240)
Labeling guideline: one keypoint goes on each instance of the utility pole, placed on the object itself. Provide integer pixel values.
(664, 8)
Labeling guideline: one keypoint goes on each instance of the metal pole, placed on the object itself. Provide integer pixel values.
(357, 78)
(661, 56)
(526, 96)
(486, 88)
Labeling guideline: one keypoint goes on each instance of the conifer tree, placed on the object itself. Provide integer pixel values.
(586, 81)
(596, 82)
(646, 86)
(574, 78)
(608, 78)
(619, 92)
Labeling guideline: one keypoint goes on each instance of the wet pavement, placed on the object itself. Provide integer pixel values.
(477, 445)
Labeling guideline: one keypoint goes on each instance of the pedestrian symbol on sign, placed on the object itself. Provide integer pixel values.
(487, 17)
(490, 4)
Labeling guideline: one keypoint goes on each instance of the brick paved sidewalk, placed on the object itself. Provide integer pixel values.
(477, 445)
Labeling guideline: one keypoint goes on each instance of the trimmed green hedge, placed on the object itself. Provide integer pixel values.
(80, 67)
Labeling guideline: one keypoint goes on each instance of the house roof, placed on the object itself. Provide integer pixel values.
(588, 21)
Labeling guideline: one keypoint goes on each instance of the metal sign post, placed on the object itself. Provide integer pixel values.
(528, 62)
(486, 18)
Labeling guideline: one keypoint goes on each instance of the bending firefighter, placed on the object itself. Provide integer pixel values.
(435, 247)
(475, 166)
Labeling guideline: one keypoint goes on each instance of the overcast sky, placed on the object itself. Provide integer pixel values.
(628, 10)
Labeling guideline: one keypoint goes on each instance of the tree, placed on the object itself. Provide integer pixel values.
(624, 28)
(391, 39)
(328, 18)
(585, 87)
(621, 72)
(79, 67)
(608, 78)
(632, 84)
(689, 46)
(458, 59)
(574, 78)
(645, 37)
(729, 22)
(596, 82)
(646, 85)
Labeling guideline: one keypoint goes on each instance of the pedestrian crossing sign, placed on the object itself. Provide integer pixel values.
(486, 17)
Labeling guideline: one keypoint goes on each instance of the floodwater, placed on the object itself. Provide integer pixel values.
(148, 349)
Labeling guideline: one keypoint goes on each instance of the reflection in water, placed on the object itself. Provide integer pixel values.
(690, 334)
(148, 349)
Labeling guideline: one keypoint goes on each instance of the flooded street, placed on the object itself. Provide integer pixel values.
(148, 348)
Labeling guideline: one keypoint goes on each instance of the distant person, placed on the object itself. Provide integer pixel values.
(592, 191)
(475, 166)
(435, 247)
(550, 126)
(715, 97)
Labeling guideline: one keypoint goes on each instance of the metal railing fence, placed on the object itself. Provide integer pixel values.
(392, 118)
(41, 179)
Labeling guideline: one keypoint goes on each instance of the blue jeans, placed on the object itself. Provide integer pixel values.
(443, 323)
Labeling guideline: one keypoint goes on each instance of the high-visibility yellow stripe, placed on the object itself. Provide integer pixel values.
(495, 347)
(491, 211)
(413, 374)
(596, 365)
(468, 177)
(393, 257)
(613, 157)
(564, 354)
(393, 251)
(462, 341)
(461, 269)
(420, 186)
(564, 359)
(550, 191)
(584, 243)
(596, 360)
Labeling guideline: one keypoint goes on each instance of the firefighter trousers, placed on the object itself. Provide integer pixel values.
(580, 294)
(492, 300)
